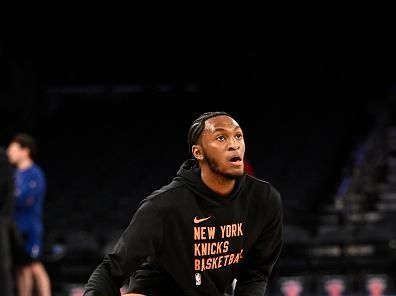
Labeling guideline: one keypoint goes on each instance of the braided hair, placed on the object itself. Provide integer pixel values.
(198, 125)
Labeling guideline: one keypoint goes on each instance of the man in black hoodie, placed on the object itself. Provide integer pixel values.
(212, 224)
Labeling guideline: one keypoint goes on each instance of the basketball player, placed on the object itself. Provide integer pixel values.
(212, 224)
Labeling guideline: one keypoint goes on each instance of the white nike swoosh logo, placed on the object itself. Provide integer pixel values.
(196, 220)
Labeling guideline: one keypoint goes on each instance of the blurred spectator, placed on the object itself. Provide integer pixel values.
(248, 168)
(30, 187)
(292, 288)
(335, 287)
(376, 286)
(6, 197)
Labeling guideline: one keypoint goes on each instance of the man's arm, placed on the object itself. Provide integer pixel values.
(141, 239)
(253, 276)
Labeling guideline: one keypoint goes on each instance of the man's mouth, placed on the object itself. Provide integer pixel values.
(236, 159)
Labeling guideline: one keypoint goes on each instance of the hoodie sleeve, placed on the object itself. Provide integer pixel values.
(141, 239)
(253, 276)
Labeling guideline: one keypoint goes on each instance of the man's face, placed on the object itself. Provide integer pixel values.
(16, 153)
(223, 146)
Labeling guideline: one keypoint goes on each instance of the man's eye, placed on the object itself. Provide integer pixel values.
(239, 136)
(220, 138)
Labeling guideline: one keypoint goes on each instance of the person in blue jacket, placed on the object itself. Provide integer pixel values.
(30, 189)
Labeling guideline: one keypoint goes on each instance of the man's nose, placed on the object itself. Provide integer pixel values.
(234, 144)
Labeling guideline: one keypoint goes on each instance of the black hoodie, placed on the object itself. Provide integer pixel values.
(185, 239)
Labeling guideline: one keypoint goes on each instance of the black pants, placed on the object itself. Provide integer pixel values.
(6, 282)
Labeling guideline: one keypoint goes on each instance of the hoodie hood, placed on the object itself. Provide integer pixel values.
(190, 175)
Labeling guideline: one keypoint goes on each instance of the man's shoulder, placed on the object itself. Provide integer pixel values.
(166, 199)
(35, 173)
(36, 170)
(267, 189)
(255, 179)
(169, 192)
(256, 182)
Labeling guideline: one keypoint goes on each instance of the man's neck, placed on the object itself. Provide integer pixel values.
(25, 164)
(217, 183)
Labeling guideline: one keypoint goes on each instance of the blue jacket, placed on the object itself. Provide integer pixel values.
(30, 188)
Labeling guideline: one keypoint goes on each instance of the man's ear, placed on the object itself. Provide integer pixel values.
(197, 152)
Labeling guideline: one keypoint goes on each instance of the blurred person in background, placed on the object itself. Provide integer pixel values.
(6, 206)
(30, 189)
(248, 168)
(212, 224)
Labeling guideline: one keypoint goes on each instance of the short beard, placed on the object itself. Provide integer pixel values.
(214, 167)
